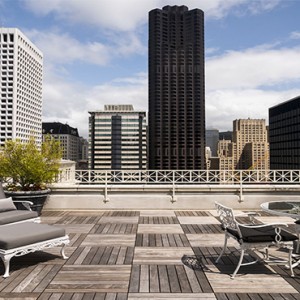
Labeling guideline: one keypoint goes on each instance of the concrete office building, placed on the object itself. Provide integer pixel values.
(284, 135)
(252, 148)
(176, 89)
(67, 136)
(21, 73)
(117, 138)
(249, 148)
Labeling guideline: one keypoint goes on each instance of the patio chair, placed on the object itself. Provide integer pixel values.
(252, 236)
(10, 214)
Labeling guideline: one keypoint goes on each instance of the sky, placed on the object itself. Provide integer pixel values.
(96, 53)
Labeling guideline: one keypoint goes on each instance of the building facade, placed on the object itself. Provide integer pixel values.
(249, 148)
(252, 147)
(176, 89)
(284, 135)
(21, 74)
(67, 136)
(117, 138)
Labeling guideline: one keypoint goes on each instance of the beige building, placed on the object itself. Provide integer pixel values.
(249, 148)
(252, 147)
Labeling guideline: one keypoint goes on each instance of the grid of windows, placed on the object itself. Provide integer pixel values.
(284, 135)
(117, 138)
(21, 68)
(252, 148)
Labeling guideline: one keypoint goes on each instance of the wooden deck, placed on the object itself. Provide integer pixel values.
(143, 255)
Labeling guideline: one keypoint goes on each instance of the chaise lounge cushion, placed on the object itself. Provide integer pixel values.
(23, 234)
(14, 216)
(7, 204)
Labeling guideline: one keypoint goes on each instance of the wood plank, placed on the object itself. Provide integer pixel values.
(134, 285)
(154, 279)
(144, 279)
(164, 279)
(173, 279)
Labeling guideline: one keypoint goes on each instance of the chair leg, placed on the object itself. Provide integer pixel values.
(298, 242)
(239, 264)
(62, 251)
(224, 248)
(6, 261)
(290, 264)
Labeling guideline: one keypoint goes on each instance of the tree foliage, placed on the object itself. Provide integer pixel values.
(27, 167)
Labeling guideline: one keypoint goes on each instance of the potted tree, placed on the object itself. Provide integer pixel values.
(28, 169)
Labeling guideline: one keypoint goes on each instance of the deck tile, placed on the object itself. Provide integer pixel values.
(198, 220)
(209, 240)
(159, 228)
(157, 213)
(160, 255)
(109, 240)
(80, 278)
(119, 219)
(258, 277)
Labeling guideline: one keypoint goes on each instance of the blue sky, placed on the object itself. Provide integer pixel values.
(95, 53)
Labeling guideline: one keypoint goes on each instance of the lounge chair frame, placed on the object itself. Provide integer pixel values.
(230, 223)
(7, 255)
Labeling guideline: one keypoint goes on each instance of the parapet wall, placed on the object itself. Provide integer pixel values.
(148, 197)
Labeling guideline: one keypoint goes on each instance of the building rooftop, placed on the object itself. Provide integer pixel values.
(141, 254)
(59, 128)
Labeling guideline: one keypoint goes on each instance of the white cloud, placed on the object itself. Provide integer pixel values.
(242, 84)
(224, 106)
(254, 67)
(262, 5)
(60, 47)
(295, 35)
(120, 15)
(114, 14)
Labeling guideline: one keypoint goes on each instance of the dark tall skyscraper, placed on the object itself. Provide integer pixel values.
(176, 89)
(284, 135)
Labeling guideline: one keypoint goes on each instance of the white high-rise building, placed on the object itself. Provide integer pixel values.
(21, 74)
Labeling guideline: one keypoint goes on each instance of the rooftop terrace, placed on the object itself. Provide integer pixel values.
(143, 254)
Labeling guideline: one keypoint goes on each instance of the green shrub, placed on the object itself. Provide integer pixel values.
(26, 167)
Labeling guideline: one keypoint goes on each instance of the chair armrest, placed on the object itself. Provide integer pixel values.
(264, 225)
(249, 214)
(25, 203)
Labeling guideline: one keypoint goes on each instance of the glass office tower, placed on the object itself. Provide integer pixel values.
(176, 89)
(284, 135)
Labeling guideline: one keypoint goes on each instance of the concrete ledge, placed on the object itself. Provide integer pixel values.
(129, 196)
